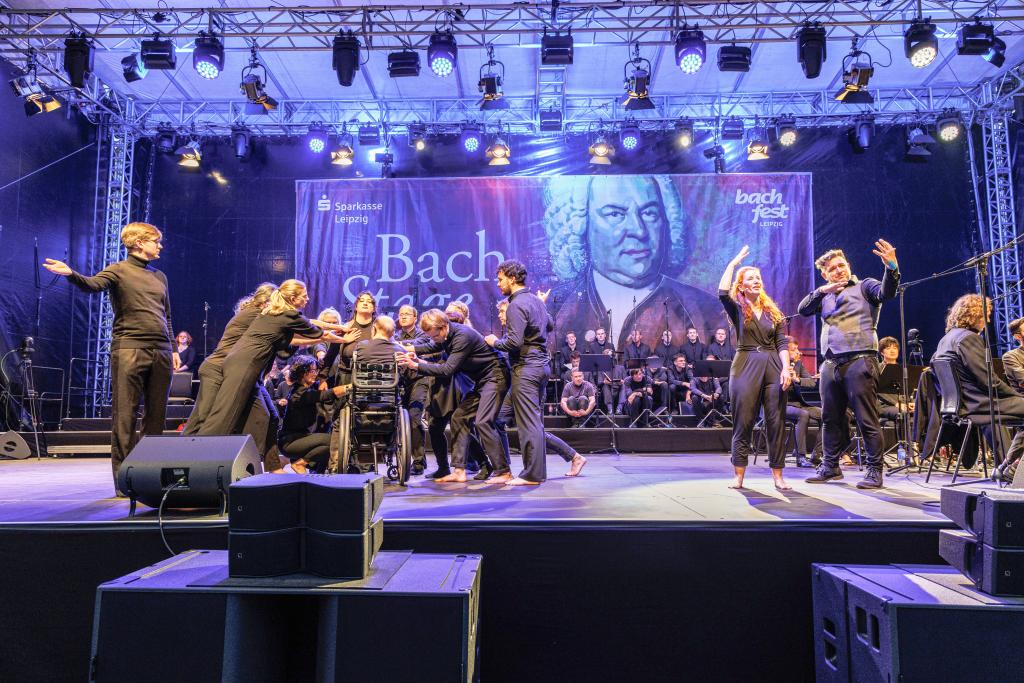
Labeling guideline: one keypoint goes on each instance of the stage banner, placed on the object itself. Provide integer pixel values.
(617, 251)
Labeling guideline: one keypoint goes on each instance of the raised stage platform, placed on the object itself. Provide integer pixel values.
(646, 564)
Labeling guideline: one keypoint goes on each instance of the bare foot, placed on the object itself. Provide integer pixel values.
(737, 482)
(500, 478)
(457, 475)
(519, 481)
(277, 471)
(578, 461)
(299, 467)
(781, 485)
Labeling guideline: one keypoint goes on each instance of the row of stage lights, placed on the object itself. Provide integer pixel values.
(208, 59)
(602, 149)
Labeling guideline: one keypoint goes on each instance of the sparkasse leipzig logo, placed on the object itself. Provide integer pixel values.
(323, 204)
(767, 207)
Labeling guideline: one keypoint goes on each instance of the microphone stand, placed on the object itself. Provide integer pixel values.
(206, 321)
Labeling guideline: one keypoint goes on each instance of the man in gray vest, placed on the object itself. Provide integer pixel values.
(849, 311)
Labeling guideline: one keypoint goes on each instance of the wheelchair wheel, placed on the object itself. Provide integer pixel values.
(341, 442)
(403, 447)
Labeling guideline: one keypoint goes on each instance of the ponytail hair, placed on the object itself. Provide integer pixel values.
(283, 298)
(258, 299)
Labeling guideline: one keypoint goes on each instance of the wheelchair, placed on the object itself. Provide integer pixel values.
(372, 419)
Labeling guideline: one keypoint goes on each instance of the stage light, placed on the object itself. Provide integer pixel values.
(257, 99)
(369, 134)
(629, 137)
(208, 56)
(37, 100)
(917, 134)
(345, 57)
(601, 151)
(316, 138)
(471, 138)
(996, 56)
(344, 154)
(132, 68)
(418, 136)
(717, 154)
(499, 153)
(811, 49)
(191, 154)
(857, 71)
(637, 82)
(734, 58)
(684, 133)
(442, 53)
(491, 75)
(948, 126)
(403, 64)
(158, 54)
(785, 127)
(862, 132)
(732, 129)
(241, 139)
(691, 50)
(165, 138)
(757, 148)
(556, 49)
(78, 59)
(920, 44)
(975, 39)
(551, 121)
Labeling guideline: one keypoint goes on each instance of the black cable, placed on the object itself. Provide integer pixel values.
(160, 514)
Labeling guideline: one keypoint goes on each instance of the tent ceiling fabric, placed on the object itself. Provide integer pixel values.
(294, 43)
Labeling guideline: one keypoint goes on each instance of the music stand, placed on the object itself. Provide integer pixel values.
(891, 382)
(598, 364)
(713, 368)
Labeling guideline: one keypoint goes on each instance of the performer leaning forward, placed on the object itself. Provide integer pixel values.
(760, 374)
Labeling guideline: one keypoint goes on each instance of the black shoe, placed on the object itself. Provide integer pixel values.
(472, 467)
(437, 474)
(872, 479)
(417, 469)
(484, 473)
(801, 461)
(825, 473)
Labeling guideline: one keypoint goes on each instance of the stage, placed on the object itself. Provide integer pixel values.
(645, 563)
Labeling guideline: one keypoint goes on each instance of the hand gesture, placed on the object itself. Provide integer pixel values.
(332, 338)
(832, 288)
(886, 252)
(738, 258)
(543, 296)
(56, 267)
(490, 339)
(787, 378)
(350, 337)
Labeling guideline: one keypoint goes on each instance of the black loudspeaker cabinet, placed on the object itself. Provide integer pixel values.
(996, 571)
(911, 623)
(342, 555)
(266, 502)
(340, 503)
(254, 554)
(995, 516)
(265, 553)
(199, 468)
(183, 620)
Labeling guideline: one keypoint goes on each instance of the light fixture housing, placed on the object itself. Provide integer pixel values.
(369, 134)
(691, 50)
(917, 134)
(499, 152)
(734, 58)
(257, 100)
(857, 72)
(556, 49)
(316, 138)
(601, 151)
(811, 49)
(404, 64)
(471, 138)
(37, 99)
(920, 44)
(164, 139)
(78, 60)
(757, 148)
(862, 133)
(551, 121)
(442, 53)
(132, 68)
(418, 136)
(345, 57)
(241, 141)
(190, 154)
(629, 137)
(996, 55)
(732, 129)
(208, 55)
(684, 133)
(158, 54)
(785, 129)
(948, 126)
(344, 154)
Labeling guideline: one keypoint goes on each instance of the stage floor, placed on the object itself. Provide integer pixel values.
(678, 488)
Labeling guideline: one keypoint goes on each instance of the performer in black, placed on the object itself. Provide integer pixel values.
(760, 374)
(721, 348)
(705, 394)
(636, 348)
(679, 378)
(416, 391)
(693, 348)
(636, 396)
(600, 343)
(186, 352)
(525, 341)
(469, 355)
(141, 357)
(849, 311)
(665, 349)
(299, 440)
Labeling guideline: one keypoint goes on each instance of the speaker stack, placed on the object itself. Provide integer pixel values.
(989, 547)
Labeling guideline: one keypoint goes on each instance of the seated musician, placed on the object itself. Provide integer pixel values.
(889, 403)
(636, 396)
(799, 412)
(705, 395)
(679, 377)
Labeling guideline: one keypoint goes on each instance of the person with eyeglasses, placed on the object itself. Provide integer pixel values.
(141, 354)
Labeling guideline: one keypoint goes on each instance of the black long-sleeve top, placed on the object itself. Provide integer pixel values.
(678, 378)
(467, 352)
(233, 331)
(965, 349)
(720, 351)
(300, 414)
(694, 351)
(705, 388)
(762, 334)
(525, 337)
(269, 334)
(1013, 366)
(139, 298)
(639, 351)
(188, 358)
(630, 385)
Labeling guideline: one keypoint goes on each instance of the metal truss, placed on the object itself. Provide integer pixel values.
(120, 140)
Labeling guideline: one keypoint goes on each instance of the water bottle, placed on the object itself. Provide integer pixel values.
(901, 454)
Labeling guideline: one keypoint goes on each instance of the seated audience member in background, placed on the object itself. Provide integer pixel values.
(609, 383)
(1013, 360)
(665, 349)
(679, 377)
(187, 353)
(692, 347)
(635, 348)
(636, 395)
(574, 365)
(721, 348)
(579, 397)
(298, 439)
(565, 351)
(706, 395)
(600, 343)
(799, 412)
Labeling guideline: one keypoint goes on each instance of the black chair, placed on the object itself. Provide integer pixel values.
(181, 389)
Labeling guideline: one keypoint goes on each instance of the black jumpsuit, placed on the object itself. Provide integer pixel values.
(755, 384)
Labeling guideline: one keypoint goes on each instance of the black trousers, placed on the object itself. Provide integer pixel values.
(136, 375)
(210, 377)
(703, 406)
(552, 444)
(528, 380)
(414, 398)
(634, 409)
(755, 387)
(578, 403)
(801, 417)
(313, 448)
(851, 385)
(608, 395)
(479, 408)
(234, 397)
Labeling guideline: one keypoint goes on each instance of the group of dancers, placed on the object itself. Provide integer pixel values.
(498, 379)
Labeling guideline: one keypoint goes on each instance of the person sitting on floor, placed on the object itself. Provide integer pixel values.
(579, 397)
(298, 439)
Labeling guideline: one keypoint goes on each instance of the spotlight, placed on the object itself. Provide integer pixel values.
(551, 121)
(920, 44)
(258, 101)
(499, 153)
(158, 54)
(345, 57)
(785, 127)
(164, 140)
(37, 100)
(403, 64)
(691, 50)
(637, 81)
(996, 55)
(917, 134)
(629, 137)
(78, 59)
(734, 58)
(857, 71)
(948, 126)
(133, 68)
(811, 49)
(862, 133)
(241, 139)
(716, 153)
(369, 134)
(471, 138)
(190, 153)
(491, 75)
(757, 148)
(344, 154)
(556, 49)
(418, 136)
(684, 132)
(601, 151)
(975, 39)
(316, 138)
(442, 53)
(208, 56)
(732, 129)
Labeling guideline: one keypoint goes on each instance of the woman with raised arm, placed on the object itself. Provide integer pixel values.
(760, 374)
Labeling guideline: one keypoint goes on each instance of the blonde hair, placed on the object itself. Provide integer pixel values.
(966, 313)
(258, 299)
(284, 297)
(434, 319)
(385, 325)
(763, 300)
(822, 261)
(461, 308)
(133, 232)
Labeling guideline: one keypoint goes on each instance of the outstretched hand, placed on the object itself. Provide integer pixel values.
(543, 296)
(744, 253)
(56, 267)
(886, 252)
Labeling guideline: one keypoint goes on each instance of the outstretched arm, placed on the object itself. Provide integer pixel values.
(726, 281)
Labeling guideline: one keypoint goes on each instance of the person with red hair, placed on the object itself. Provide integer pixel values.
(760, 374)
